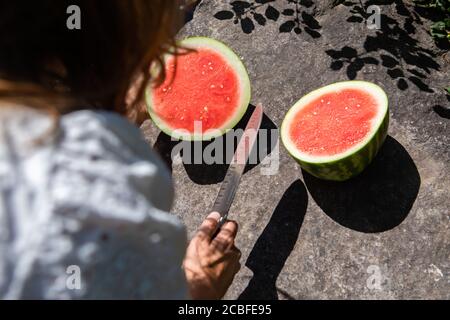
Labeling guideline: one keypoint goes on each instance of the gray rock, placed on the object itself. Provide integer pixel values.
(382, 235)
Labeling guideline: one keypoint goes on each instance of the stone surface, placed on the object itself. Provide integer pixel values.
(384, 234)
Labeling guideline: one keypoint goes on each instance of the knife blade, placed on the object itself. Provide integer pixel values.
(230, 184)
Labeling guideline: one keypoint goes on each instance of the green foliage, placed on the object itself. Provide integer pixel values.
(440, 29)
(442, 5)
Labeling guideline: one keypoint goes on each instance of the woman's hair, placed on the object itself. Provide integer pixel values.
(96, 64)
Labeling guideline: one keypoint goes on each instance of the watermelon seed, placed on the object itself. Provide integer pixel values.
(227, 99)
(213, 86)
(221, 86)
(203, 72)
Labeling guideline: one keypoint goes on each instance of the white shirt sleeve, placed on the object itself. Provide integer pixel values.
(87, 217)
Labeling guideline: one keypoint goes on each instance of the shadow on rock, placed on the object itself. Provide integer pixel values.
(164, 146)
(442, 111)
(204, 173)
(275, 244)
(189, 11)
(219, 150)
(377, 200)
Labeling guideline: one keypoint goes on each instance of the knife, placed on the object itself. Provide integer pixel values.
(230, 184)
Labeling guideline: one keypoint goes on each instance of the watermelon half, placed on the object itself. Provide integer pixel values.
(336, 131)
(206, 91)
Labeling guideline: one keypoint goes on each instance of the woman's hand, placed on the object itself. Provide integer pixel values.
(212, 262)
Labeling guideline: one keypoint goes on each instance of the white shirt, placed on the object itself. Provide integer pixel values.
(83, 215)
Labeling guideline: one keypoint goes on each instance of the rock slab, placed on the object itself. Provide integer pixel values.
(382, 235)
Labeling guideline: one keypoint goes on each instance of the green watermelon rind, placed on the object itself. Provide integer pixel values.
(348, 166)
(240, 69)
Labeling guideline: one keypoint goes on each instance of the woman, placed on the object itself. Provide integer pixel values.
(83, 200)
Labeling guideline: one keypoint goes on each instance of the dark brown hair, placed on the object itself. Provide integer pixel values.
(95, 65)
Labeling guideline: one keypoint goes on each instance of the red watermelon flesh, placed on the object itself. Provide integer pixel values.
(200, 87)
(334, 122)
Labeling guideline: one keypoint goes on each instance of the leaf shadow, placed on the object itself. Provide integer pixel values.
(443, 112)
(392, 46)
(258, 13)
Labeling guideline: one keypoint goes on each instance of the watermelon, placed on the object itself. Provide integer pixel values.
(336, 131)
(206, 91)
